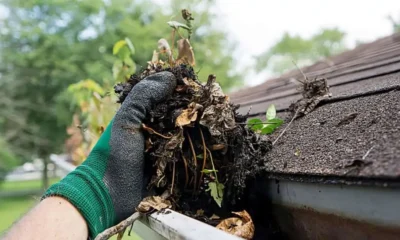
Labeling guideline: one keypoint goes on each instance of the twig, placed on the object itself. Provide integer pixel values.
(109, 232)
(204, 155)
(173, 178)
(367, 153)
(284, 130)
(152, 131)
(186, 170)
(194, 160)
(305, 77)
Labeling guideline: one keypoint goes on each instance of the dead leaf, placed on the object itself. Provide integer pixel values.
(164, 47)
(214, 217)
(186, 117)
(153, 203)
(218, 118)
(185, 52)
(176, 141)
(155, 58)
(242, 227)
(199, 213)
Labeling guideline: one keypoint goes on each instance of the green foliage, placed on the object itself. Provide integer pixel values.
(45, 46)
(267, 127)
(176, 25)
(217, 191)
(279, 58)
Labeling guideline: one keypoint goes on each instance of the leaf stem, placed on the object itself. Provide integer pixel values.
(186, 170)
(194, 160)
(204, 155)
(213, 167)
(173, 178)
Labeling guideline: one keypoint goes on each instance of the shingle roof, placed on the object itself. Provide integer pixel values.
(362, 116)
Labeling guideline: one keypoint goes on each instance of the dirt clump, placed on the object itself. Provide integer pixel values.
(198, 148)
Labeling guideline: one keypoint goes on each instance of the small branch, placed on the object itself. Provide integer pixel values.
(194, 160)
(284, 130)
(108, 233)
(186, 170)
(204, 155)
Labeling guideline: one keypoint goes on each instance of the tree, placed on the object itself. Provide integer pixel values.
(47, 45)
(279, 58)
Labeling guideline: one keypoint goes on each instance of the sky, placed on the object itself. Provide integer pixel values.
(257, 24)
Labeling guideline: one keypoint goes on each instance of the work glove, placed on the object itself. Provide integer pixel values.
(107, 187)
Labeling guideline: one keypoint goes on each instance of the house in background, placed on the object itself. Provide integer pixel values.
(334, 173)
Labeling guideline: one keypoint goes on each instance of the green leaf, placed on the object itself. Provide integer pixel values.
(130, 45)
(208, 171)
(276, 121)
(217, 191)
(123, 53)
(268, 129)
(131, 64)
(118, 45)
(176, 25)
(200, 156)
(271, 112)
(255, 124)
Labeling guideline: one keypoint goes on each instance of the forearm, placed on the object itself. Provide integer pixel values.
(52, 218)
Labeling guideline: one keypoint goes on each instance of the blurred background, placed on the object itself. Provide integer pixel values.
(59, 61)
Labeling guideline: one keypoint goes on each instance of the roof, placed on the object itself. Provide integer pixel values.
(355, 133)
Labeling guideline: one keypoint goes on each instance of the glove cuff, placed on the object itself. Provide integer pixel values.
(89, 195)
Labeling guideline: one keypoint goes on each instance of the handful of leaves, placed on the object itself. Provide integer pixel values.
(199, 150)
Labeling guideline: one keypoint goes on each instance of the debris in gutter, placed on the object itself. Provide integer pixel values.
(313, 92)
(241, 226)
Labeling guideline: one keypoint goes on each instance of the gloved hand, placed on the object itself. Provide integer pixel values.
(107, 187)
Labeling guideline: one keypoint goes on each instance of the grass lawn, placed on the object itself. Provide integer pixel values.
(25, 185)
(11, 209)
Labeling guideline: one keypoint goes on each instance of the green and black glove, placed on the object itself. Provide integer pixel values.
(107, 187)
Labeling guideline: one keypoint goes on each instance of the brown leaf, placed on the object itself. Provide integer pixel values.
(176, 141)
(186, 117)
(199, 213)
(155, 58)
(242, 227)
(185, 52)
(214, 217)
(153, 203)
(164, 47)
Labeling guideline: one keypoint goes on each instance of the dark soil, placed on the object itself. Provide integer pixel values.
(237, 152)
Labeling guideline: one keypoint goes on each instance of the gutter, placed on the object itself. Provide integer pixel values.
(334, 211)
(303, 210)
